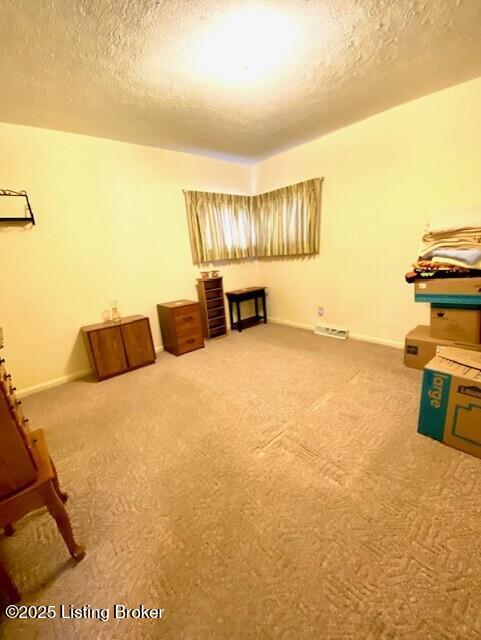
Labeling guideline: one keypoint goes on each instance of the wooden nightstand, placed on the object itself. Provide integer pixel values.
(181, 326)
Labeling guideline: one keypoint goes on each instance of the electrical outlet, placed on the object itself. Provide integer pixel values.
(320, 311)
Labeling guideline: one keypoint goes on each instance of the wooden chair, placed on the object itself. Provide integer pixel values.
(44, 492)
(28, 478)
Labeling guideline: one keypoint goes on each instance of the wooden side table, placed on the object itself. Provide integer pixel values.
(241, 295)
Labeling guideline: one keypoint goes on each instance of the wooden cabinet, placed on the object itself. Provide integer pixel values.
(119, 347)
(211, 297)
(181, 326)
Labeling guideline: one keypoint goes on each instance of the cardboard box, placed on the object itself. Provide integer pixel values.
(451, 400)
(456, 324)
(420, 347)
(462, 292)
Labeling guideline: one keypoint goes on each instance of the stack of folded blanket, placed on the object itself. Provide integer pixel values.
(448, 253)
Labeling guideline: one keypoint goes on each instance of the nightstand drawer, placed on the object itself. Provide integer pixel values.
(187, 317)
(189, 343)
(188, 332)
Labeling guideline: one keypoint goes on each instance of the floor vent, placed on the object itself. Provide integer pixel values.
(331, 330)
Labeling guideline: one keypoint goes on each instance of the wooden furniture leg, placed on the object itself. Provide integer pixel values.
(61, 494)
(239, 323)
(231, 318)
(7, 586)
(58, 512)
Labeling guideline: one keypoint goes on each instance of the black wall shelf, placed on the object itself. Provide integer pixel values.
(29, 217)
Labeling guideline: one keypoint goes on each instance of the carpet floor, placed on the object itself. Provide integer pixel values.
(271, 485)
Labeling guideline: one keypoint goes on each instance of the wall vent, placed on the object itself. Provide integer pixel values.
(331, 330)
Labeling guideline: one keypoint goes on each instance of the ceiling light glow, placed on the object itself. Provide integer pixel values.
(247, 45)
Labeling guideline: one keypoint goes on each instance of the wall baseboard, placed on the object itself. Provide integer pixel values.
(50, 384)
(289, 323)
(56, 382)
(383, 341)
(354, 336)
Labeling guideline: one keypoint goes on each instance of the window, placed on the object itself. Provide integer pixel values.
(285, 222)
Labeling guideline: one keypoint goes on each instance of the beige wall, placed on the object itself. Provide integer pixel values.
(385, 178)
(111, 225)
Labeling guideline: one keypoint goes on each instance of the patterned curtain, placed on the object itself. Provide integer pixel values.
(284, 222)
(288, 220)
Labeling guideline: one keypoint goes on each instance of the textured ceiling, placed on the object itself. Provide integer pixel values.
(242, 79)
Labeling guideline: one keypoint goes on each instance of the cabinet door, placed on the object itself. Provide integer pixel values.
(138, 343)
(108, 351)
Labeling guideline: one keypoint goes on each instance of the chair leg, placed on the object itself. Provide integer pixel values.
(8, 586)
(8, 530)
(61, 494)
(60, 515)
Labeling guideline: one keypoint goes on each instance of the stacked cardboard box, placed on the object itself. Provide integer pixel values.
(455, 319)
(451, 399)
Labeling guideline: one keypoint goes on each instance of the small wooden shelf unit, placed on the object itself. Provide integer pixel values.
(211, 298)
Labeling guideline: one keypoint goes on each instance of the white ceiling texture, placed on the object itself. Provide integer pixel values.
(224, 77)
